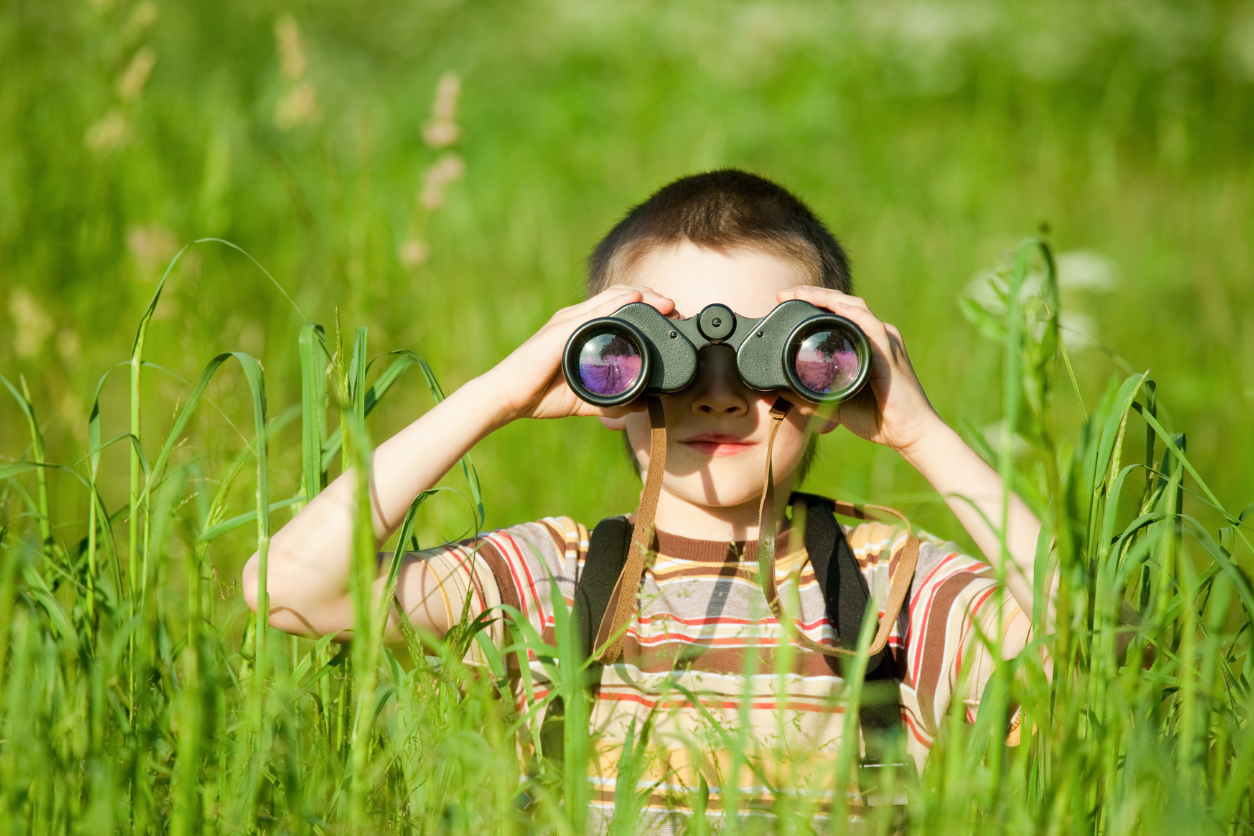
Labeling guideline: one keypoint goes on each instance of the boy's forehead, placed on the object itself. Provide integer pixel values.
(745, 280)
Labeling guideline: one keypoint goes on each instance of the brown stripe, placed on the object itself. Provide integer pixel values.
(561, 540)
(500, 571)
(708, 551)
(933, 643)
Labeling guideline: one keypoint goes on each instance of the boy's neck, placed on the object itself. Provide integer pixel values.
(733, 523)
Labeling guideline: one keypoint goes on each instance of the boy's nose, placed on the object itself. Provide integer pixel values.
(717, 391)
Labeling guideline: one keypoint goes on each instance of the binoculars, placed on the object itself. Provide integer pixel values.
(820, 356)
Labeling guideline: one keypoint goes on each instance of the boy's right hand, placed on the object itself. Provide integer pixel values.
(529, 382)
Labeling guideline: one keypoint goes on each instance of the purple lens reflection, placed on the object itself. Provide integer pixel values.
(826, 361)
(609, 364)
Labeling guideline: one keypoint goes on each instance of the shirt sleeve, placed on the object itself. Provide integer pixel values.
(962, 622)
(515, 567)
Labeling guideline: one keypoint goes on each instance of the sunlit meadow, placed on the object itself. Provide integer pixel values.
(1053, 204)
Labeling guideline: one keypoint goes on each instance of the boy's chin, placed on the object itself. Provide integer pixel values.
(718, 494)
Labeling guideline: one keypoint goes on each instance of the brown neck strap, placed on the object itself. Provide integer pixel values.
(623, 599)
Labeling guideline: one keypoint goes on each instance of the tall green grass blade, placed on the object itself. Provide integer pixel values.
(405, 360)
(37, 448)
(313, 373)
(249, 256)
(213, 532)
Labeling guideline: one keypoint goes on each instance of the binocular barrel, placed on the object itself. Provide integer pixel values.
(820, 356)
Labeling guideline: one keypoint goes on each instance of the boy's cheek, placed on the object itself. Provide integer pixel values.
(790, 448)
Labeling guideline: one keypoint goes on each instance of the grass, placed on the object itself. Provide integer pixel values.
(136, 701)
(138, 695)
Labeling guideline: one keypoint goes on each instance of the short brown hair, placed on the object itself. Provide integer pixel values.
(722, 210)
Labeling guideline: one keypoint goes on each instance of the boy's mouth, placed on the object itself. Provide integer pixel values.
(717, 444)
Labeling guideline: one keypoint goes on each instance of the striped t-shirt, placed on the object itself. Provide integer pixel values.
(704, 661)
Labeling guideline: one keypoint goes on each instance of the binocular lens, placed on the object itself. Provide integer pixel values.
(609, 364)
(826, 361)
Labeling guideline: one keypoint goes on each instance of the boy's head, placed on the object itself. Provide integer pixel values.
(722, 210)
(738, 239)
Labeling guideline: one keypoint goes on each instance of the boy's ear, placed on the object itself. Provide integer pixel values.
(613, 423)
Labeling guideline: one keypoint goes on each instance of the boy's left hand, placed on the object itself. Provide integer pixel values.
(892, 408)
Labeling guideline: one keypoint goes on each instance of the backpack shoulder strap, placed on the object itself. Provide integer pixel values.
(845, 593)
(607, 554)
(845, 589)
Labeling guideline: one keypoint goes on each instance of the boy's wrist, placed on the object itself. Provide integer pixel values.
(484, 396)
(931, 440)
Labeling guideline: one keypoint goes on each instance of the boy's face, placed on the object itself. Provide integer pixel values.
(717, 428)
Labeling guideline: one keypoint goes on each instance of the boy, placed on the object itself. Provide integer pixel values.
(701, 623)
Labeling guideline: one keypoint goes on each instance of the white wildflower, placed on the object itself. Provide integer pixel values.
(448, 168)
(131, 83)
(69, 346)
(441, 130)
(291, 49)
(440, 134)
(1087, 271)
(32, 326)
(142, 16)
(151, 245)
(995, 435)
(299, 106)
(108, 133)
(413, 252)
(1077, 330)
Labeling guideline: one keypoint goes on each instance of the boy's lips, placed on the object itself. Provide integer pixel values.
(718, 444)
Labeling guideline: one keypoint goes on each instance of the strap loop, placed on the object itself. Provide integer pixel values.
(899, 586)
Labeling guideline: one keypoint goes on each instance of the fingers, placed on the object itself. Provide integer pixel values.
(587, 409)
(611, 299)
(875, 330)
(888, 349)
(863, 403)
(885, 339)
(898, 344)
(822, 297)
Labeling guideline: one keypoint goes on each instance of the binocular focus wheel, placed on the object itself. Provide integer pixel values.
(716, 323)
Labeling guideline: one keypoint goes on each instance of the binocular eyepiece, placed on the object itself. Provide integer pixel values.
(820, 356)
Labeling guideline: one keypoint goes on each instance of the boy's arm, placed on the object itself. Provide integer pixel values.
(310, 558)
(894, 411)
(974, 491)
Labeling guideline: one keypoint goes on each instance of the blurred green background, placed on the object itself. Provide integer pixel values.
(437, 171)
